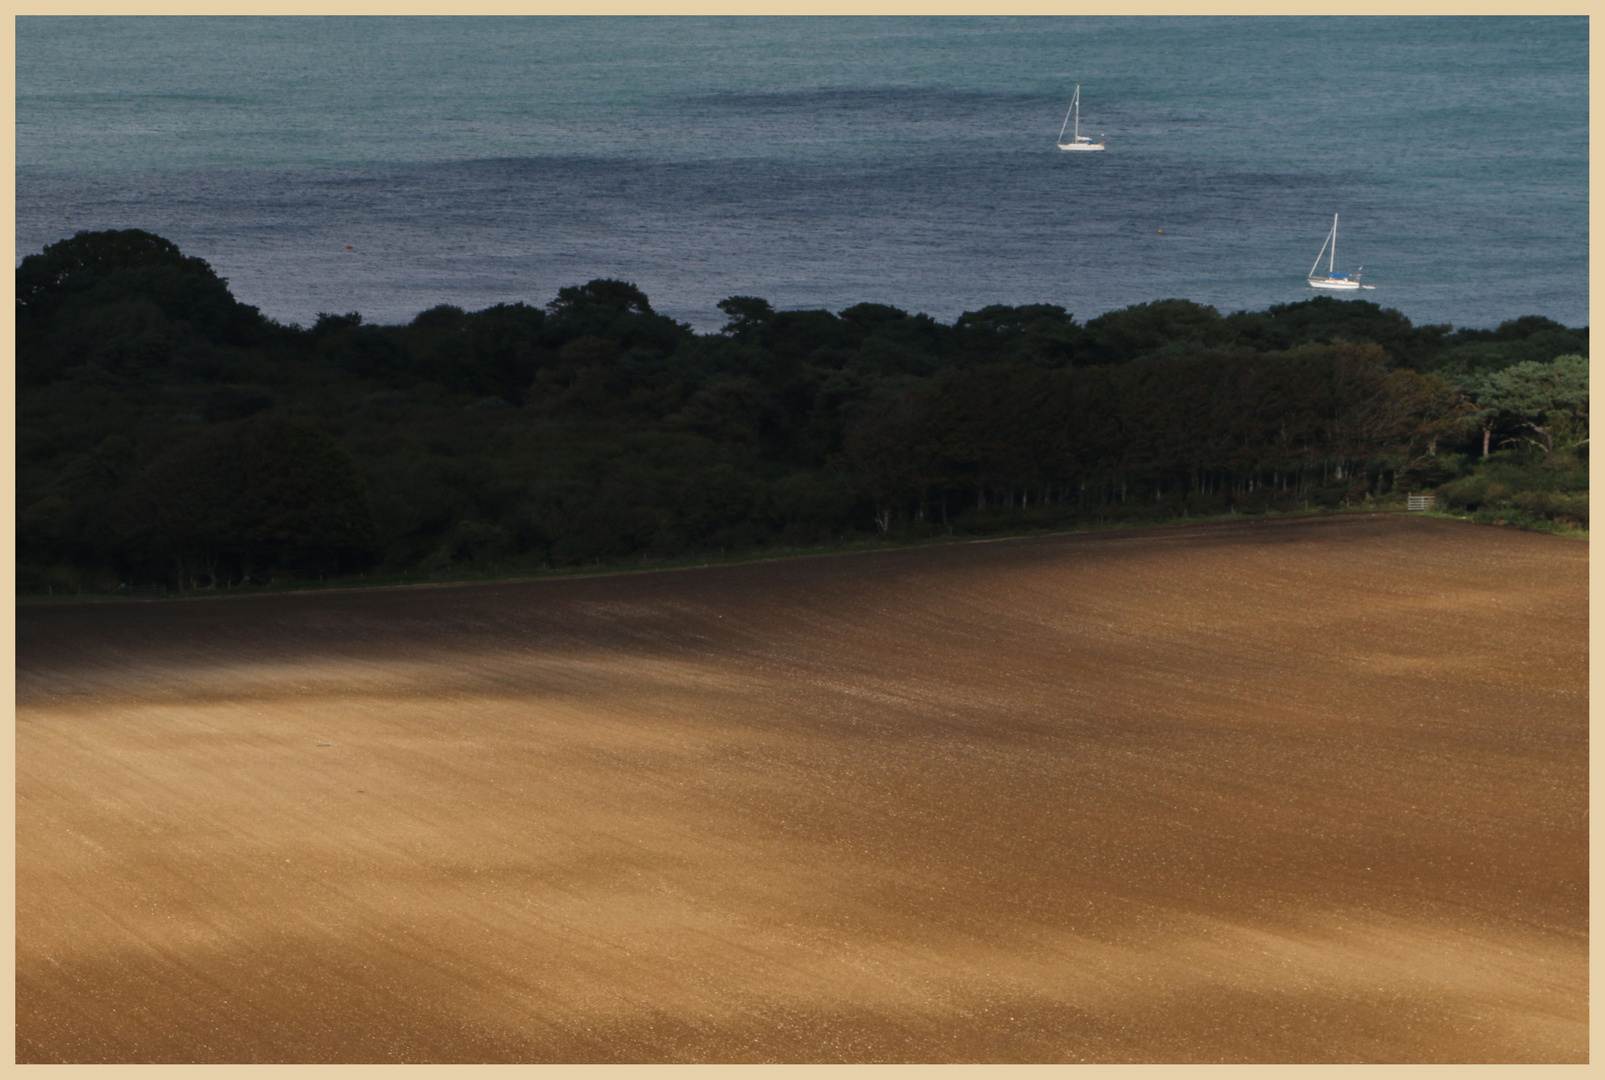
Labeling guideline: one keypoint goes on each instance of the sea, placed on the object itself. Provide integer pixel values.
(387, 165)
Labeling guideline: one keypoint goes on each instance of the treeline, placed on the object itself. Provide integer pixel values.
(170, 436)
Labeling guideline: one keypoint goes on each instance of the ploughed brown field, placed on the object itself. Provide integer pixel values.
(1306, 790)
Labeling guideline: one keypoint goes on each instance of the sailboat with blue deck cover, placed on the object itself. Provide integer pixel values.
(1335, 281)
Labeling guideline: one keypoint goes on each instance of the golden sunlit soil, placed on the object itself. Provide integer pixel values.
(1306, 790)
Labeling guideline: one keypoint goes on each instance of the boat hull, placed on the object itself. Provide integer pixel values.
(1083, 147)
(1337, 284)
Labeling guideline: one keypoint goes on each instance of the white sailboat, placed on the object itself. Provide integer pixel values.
(1341, 282)
(1077, 141)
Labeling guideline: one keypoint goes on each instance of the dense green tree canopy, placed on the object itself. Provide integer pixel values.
(256, 496)
(1543, 398)
(168, 434)
(128, 269)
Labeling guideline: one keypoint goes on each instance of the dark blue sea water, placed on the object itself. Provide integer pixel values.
(386, 165)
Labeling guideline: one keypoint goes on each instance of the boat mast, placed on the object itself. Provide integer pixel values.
(1333, 257)
(1331, 234)
(1075, 103)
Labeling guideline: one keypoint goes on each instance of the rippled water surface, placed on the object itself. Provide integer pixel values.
(388, 165)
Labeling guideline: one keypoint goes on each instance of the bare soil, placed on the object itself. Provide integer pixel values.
(1307, 790)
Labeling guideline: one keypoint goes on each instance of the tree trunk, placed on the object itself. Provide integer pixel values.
(1549, 439)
